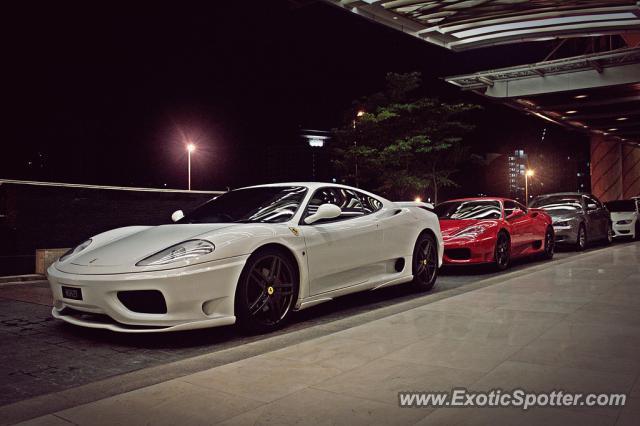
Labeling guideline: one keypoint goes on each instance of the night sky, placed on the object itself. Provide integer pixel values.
(107, 93)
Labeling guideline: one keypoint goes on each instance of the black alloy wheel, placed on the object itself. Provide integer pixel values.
(267, 290)
(425, 262)
(549, 243)
(503, 251)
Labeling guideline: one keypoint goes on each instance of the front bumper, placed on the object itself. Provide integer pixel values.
(623, 230)
(197, 296)
(566, 234)
(465, 251)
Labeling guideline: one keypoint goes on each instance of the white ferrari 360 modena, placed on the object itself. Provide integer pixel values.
(249, 256)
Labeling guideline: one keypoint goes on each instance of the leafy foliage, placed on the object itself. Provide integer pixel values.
(402, 144)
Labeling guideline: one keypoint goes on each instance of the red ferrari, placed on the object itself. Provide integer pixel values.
(493, 230)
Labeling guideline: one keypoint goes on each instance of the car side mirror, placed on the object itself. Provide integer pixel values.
(177, 215)
(516, 213)
(592, 206)
(325, 211)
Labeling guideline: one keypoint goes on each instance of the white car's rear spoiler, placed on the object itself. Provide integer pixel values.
(421, 204)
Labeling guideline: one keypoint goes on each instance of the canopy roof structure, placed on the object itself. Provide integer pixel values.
(596, 92)
(469, 24)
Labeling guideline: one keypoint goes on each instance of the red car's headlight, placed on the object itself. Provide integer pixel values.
(470, 232)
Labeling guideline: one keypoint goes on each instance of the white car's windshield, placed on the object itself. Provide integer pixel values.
(621, 206)
(267, 204)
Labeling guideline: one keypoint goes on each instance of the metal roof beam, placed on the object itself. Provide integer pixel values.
(577, 80)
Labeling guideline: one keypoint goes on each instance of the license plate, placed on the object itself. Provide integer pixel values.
(72, 293)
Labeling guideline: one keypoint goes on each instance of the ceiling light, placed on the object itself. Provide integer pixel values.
(613, 129)
(571, 111)
(622, 118)
(580, 96)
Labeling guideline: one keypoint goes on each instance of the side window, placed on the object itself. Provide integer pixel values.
(590, 200)
(509, 207)
(369, 204)
(346, 199)
(521, 207)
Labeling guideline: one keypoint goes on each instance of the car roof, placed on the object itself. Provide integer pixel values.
(556, 194)
(481, 199)
(312, 186)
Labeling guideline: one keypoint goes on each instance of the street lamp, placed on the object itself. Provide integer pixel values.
(359, 114)
(527, 175)
(190, 148)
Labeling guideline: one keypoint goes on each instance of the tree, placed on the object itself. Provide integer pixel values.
(401, 144)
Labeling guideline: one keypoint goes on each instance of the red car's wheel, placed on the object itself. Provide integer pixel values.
(502, 251)
(549, 243)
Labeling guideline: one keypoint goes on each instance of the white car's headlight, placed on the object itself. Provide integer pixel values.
(75, 250)
(470, 232)
(183, 251)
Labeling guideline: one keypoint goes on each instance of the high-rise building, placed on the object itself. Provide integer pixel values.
(517, 165)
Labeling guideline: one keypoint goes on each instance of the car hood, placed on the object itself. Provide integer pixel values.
(559, 217)
(622, 216)
(450, 227)
(119, 254)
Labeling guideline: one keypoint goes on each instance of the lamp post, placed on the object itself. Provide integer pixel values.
(359, 114)
(528, 173)
(190, 148)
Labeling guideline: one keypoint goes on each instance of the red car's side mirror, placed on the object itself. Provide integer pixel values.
(515, 213)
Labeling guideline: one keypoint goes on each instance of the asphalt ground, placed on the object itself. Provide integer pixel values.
(40, 355)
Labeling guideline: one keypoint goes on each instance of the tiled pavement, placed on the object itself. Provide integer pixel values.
(573, 326)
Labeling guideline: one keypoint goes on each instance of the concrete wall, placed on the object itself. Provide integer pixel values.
(615, 169)
(630, 171)
(34, 216)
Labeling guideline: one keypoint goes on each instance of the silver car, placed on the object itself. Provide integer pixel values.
(578, 219)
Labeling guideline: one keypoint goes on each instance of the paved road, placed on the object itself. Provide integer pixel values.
(39, 355)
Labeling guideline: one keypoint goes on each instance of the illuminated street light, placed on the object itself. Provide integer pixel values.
(527, 174)
(190, 148)
(418, 200)
(360, 113)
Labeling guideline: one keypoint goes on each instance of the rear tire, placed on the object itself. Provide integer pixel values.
(581, 241)
(424, 263)
(609, 239)
(636, 232)
(502, 253)
(549, 244)
(267, 290)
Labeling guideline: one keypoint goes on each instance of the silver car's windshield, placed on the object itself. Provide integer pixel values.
(267, 204)
(558, 204)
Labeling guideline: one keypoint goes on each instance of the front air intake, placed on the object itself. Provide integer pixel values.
(143, 301)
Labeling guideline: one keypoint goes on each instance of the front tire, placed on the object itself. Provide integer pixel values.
(424, 264)
(609, 239)
(581, 241)
(549, 244)
(502, 253)
(636, 232)
(267, 291)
